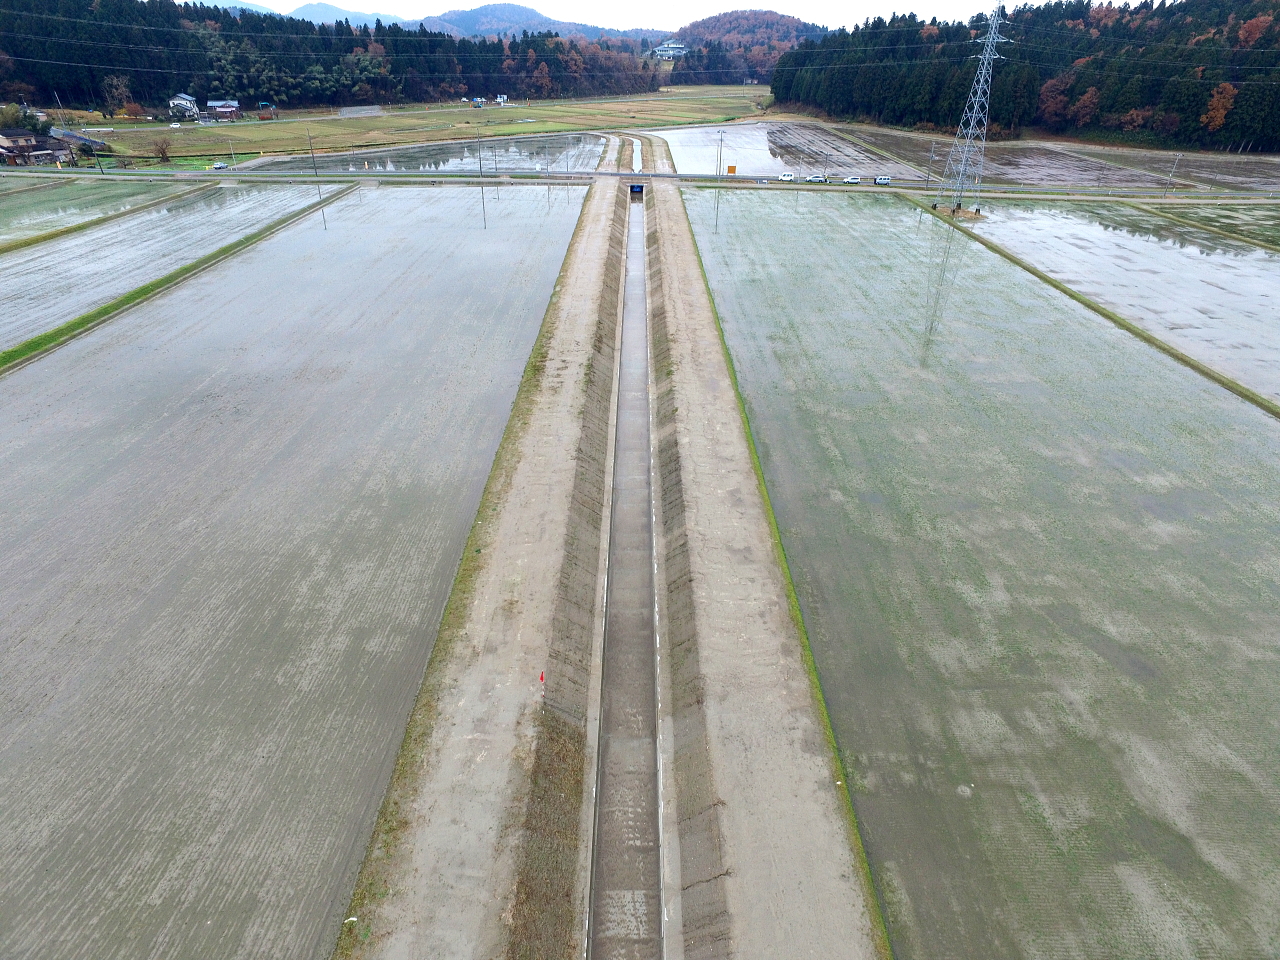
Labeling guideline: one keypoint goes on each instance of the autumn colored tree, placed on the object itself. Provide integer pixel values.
(1220, 104)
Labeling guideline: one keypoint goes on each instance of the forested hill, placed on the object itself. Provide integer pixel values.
(741, 44)
(160, 48)
(1196, 72)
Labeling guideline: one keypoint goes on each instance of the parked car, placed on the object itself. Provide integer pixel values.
(176, 126)
(881, 181)
(787, 177)
(851, 180)
(220, 165)
(816, 178)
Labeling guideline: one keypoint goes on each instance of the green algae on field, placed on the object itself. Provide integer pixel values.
(1039, 567)
(1255, 221)
(28, 213)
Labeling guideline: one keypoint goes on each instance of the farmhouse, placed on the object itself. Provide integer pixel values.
(224, 109)
(670, 50)
(183, 107)
(22, 148)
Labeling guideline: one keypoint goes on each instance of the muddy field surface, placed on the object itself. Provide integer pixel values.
(1255, 221)
(1038, 564)
(37, 211)
(768, 149)
(1210, 297)
(568, 153)
(1215, 170)
(230, 520)
(1014, 163)
(54, 282)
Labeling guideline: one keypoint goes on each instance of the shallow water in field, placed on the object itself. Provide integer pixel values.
(1215, 299)
(37, 211)
(768, 149)
(50, 283)
(1040, 565)
(229, 521)
(1255, 221)
(565, 153)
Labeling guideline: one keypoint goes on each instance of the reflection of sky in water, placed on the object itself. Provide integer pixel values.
(768, 149)
(1212, 298)
(571, 153)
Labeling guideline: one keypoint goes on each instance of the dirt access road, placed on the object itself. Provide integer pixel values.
(484, 844)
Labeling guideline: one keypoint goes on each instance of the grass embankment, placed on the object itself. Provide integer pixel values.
(1239, 389)
(373, 883)
(193, 147)
(875, 910)
(30, 349)
(99, 221)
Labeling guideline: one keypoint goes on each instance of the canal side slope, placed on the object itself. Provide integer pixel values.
(459, 836)
(768, 867)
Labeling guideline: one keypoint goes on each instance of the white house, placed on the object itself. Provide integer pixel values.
(670, 50)
(183, 107)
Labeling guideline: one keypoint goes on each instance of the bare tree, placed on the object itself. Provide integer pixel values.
(162, 145)
(115, 90)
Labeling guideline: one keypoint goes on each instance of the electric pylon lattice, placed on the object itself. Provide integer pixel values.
(963, 176)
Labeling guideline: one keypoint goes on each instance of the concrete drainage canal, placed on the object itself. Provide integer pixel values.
(626, 868)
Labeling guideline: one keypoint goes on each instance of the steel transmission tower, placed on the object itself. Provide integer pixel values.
(963, 176)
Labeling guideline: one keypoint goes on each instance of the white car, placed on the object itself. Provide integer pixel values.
(786, 177)
(816, 178)
(220, 165)
(851, 180)
(881, 181)
(176, 126)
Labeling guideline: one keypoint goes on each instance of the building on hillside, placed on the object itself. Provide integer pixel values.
(670, 50)
(183, 107)
(223, 109)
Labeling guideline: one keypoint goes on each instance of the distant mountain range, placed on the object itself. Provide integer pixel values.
(492, 19)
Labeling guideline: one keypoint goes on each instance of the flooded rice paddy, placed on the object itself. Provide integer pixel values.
(51, 283)
(1039, 563)
(566, 153)
(229, 520)
(32, 212)
(768, 149)
(1210, 297)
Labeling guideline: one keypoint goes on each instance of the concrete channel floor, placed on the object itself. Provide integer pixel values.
(626, 918)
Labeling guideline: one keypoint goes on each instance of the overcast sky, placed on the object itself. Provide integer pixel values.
(669, 14)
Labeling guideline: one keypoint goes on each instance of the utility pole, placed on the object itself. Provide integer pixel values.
(1168, 183)
(233, 152)
(963, 175)
(316, 170)
(928, 174)
(719, 157)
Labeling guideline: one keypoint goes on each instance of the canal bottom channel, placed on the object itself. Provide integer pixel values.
(626, 899)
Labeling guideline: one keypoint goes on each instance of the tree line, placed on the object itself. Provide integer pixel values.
(89, 52)
(1202, 73)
